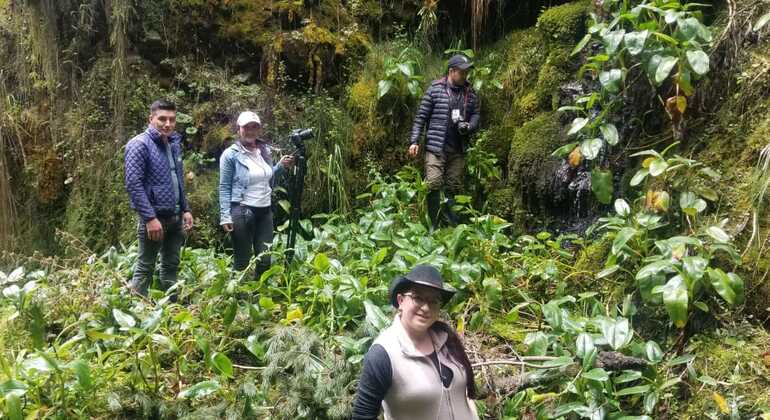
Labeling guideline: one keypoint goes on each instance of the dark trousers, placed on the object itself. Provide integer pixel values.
(252, 232)
(169, 248)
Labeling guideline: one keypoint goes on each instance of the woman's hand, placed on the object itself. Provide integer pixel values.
(287, 161)
(228, 227)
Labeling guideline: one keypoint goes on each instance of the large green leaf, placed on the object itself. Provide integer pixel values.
(622, 208)
(762, 22)
(383, 87)
(612, 41)
(564, 150)
(124, 320)
(667, 63)
(590, 148)
(694, 266)
(621, 238)
(13, 407)
(718, 234)
(676, 299)
(653, 352)
(728, 286)
(255, 347)
(699, 61)
(13, 387)
(597, 374)
(658, 166)
(584, 344)
(601, 185)
(691, 204)
(221, 364)
(639, 176)
(635, 41)
(577, 125)
(610, 133)
(582, 44)
(375, 317)
(617, 332)
(611, 80)
(634, 390)
(201, 389)
(228, 316)
(83, 374)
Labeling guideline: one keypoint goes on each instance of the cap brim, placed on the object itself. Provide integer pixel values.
(463, 66)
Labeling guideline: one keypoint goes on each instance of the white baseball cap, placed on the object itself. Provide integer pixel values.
(248, 117)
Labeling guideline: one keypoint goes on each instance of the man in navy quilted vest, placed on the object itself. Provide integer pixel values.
(448, 114)
(155, 183)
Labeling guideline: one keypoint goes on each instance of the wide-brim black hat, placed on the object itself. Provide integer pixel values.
(424, 275)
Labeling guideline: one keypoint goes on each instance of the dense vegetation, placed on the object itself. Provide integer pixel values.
(612, 260)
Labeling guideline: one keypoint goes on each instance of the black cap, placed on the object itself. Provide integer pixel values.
(459, 61)
(424, 275)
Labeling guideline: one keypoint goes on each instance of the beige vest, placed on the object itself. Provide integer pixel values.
(416, 392)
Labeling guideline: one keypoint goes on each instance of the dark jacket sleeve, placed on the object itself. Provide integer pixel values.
(376, 379)
(423, 116)
(135, 172)
(474, 117)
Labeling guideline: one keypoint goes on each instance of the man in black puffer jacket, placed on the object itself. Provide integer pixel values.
(450, 110)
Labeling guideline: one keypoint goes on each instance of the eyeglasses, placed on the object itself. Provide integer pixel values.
(420, 301)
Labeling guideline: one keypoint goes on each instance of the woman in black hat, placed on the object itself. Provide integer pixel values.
(417, 368)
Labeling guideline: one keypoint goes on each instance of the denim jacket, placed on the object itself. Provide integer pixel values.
(234, 177)
(148, 176)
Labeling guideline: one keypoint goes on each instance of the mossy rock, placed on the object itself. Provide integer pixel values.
(564, 23)
(554, 72)
(362, 96)
(506, 203)
(527, 51)
(740, 356)
(532, 145)
(591, 259)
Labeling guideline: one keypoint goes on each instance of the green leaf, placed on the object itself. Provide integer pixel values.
(230, 311)
(13, 387)
(191, 131)
(694, 266)
(564, 150)
(762, 22)
(699, 61)
(635, 41)
(676, 299)
(379, 257)
(610, 133)
(83, 374)
(582, 44)
(607, 271)
(627, 376)
(383, 87)
(590, 148)
(13, 407)
(727, 287)
(612, 41)
(222, 364)
(375, 317)
(691, 204)
(266, 303)
(611, 80)
(617, 332)
(601, 185)
(558, 362)
(719, 235)
(639, 176)
(597, 374)
(577, 125)
(650, 401)
(664, 68)
(653, 268)
(255, 347)
(686, 358)
(584, 344)
(658, 166)
(321, 262)
(653, 352)
(621, 238)
(124, 320)
(622, 208)
(201, 389)
(634, 390)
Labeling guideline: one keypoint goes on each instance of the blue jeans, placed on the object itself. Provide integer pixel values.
(169, 248)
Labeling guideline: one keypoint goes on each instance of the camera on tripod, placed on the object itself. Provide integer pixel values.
(299, 136)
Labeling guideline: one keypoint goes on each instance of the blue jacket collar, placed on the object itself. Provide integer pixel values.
(156, 137)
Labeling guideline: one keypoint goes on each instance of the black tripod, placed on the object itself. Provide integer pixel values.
(295, 190)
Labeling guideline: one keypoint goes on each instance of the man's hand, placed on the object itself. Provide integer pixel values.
(187, 221)
(287, 161)
(414, 150)
(228, 227)
(463, 127)
(155, 230)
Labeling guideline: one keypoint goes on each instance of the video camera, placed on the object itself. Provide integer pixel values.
(299, 135)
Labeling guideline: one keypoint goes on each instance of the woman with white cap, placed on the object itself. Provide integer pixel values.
(417, 368)
(246, 178)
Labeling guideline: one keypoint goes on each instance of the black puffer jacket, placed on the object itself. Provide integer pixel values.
(434, 110)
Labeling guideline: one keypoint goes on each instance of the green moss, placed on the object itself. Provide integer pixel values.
(511, 333)
(591, 259)
(532, 145)
(565, 23)
(554, 72)
(731, 356)
(362, 97)
(505, 202)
